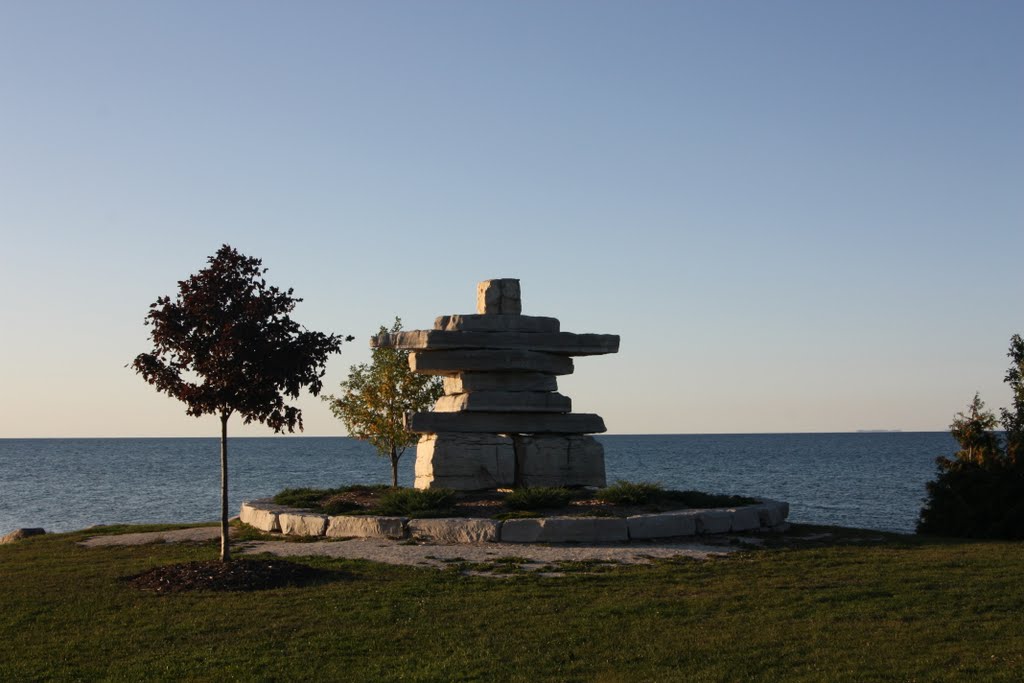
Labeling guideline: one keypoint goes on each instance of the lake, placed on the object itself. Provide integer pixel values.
(869, 480)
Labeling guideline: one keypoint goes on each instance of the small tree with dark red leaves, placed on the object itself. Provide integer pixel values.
(226, 344)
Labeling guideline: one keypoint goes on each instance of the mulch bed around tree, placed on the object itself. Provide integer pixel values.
(237, 575)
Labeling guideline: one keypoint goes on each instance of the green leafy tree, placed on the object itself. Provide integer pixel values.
(1013, 417)
(980, 491)
(974, 431)
(378, 395)
(226, 344)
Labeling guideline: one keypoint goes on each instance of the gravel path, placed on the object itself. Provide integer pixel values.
(193, 535)
(534, 556)
(531, 557)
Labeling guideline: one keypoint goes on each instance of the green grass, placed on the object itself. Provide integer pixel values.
(856, 606)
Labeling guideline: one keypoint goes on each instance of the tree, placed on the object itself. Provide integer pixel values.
(377, 396)
(1013, 418)
(980, 491)
(226, 344)
(973, 430)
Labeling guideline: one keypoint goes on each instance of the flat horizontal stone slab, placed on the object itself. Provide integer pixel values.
(506, 423)
(508, 360)
(745, 519)
(262, 514)
(565, 530)
(505, 401)
(302, 523)
(455, 530)
(772, 513)
(560, 343)
(365, 526)
(714, 521)
(662, 525)
(499, 381)
(498, 322)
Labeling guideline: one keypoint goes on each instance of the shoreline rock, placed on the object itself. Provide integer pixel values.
(19, 534)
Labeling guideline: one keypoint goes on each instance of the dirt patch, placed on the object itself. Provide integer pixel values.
(237, 575)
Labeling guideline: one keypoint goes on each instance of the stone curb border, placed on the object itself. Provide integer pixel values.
(767, 515)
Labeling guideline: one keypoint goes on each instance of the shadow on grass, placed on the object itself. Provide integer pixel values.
(239, 575)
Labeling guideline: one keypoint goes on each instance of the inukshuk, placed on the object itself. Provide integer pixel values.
(501, 421)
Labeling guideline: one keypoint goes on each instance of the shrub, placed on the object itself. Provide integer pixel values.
(304, 497)
(538, 498)
(629, 493)
(699, 499)
(979, 493)
(338, 505)
(975, 500)
(416, 502)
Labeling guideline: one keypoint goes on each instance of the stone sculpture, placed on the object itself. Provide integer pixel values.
(501, 421)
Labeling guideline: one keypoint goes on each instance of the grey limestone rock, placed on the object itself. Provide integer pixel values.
(565, 530)
(19, 534)
(500, 296)
(496, 322)
(573, 460)
(359, 526)
(505, 401)
(465, 462)
(772, 512)
(506, 423)
(302, 523)
(745, 519)
(714, 521)
(261, 514)
(504, 360)
(558, 343)
(499, 381)
(662, 525)
(455, 530)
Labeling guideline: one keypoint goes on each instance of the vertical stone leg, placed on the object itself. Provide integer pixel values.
(464, 462)
(559, 461)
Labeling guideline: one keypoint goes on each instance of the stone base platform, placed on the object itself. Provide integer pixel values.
(767, 515)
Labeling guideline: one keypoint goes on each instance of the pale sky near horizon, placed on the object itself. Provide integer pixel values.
(799, 216)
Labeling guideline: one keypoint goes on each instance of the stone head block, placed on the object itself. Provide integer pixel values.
(500, 295)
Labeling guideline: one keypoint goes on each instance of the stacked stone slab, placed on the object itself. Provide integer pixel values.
(501, 421)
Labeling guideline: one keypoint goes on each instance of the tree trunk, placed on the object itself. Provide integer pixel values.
(394, 467)
(225, 548)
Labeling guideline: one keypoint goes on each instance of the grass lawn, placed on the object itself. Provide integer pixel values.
(894, 608)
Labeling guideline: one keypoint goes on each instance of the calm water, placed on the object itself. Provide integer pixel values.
(871, 480)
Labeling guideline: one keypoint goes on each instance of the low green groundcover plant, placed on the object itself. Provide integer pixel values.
(416, 502)
(649, 493)
(383, 500)
(538, 498)
(630, 493)
(336, 501)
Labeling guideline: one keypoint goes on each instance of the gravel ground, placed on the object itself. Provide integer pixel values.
(194, 535)
(530, 557)
(543, 557)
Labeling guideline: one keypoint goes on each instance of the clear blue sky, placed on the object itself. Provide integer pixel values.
(800, 216)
